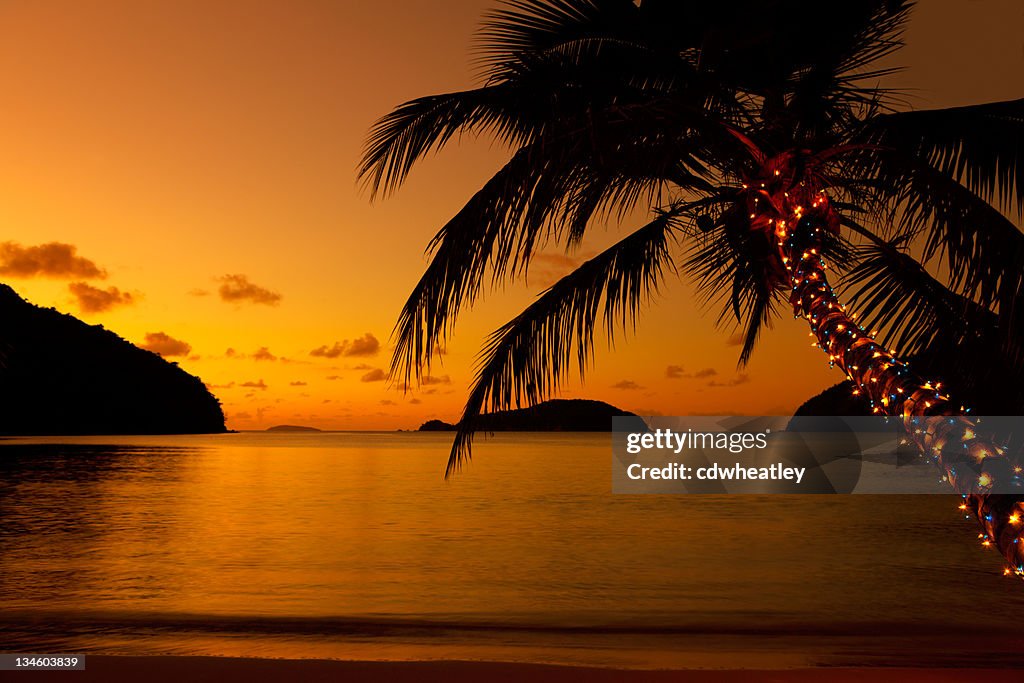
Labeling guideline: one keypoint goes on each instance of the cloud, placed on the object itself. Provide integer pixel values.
(263, 353)
(54, 259)
(333, 377)
(415, 401)
(735, 339)
(425, 380)
(677, 372)
(238, 289)
(739, 379)
(549, 267)
(375, 375)
(362, 366)
(95, 300)
(220, 386)
(260, 384)
(199, 292)
(297, 384)
(387, 402)
(367, 345)
(626, 384)
(328, 352)
(555, 259)
(165, 345)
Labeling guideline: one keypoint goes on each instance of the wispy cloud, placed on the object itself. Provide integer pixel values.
(165, 345)
(263, 353)
(95, 300)
(53, 260)
(237, 289)
(546, 268)
(375, 375)
(626, 384)
(741, 378)
(678, 372)
(367, 345)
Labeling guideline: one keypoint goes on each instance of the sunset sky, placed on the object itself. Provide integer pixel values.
(199, 159)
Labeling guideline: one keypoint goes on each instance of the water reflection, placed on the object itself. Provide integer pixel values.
(350, 545)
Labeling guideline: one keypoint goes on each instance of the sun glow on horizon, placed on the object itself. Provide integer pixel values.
(194, 164)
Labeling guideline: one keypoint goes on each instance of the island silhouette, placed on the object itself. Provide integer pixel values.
(59, 375)
(557, 415)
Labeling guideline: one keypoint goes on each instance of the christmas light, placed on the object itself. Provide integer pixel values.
(795, 197)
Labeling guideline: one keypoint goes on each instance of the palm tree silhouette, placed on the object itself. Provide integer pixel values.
(761, 141)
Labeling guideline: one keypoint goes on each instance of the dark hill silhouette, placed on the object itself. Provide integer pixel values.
(292, 428)
(59, 375)
(836, 400)
(559, 415)
(972, 367)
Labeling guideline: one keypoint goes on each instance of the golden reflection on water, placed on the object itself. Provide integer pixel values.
(349, 544)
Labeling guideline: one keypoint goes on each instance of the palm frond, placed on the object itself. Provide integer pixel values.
(526, 360)
(899, 298)
(982, 249)
(531, 200)
(399, 139)
(961, 342)
(551, 188)
(536, 26)
(735, 268)
(981, 146)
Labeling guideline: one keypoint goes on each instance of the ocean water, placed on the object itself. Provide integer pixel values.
(353, 546)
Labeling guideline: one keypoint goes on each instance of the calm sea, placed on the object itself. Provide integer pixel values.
(352, 546)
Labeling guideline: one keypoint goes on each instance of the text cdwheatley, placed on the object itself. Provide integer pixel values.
(715, 471)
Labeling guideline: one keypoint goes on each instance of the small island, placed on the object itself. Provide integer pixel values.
(557, 415)
(292, 428)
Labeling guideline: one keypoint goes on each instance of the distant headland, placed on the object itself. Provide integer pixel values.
(59, 375)
(292, 428)
(558, 415)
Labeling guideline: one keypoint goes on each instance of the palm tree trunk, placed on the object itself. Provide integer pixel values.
(796, 215)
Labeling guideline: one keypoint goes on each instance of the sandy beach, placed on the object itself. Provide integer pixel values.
(220, 669)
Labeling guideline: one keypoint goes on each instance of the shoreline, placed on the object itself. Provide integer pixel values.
(158, 669)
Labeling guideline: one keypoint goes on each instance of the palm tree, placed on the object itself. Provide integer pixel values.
(758, 137)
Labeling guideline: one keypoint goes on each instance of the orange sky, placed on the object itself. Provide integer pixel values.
(177, 143)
